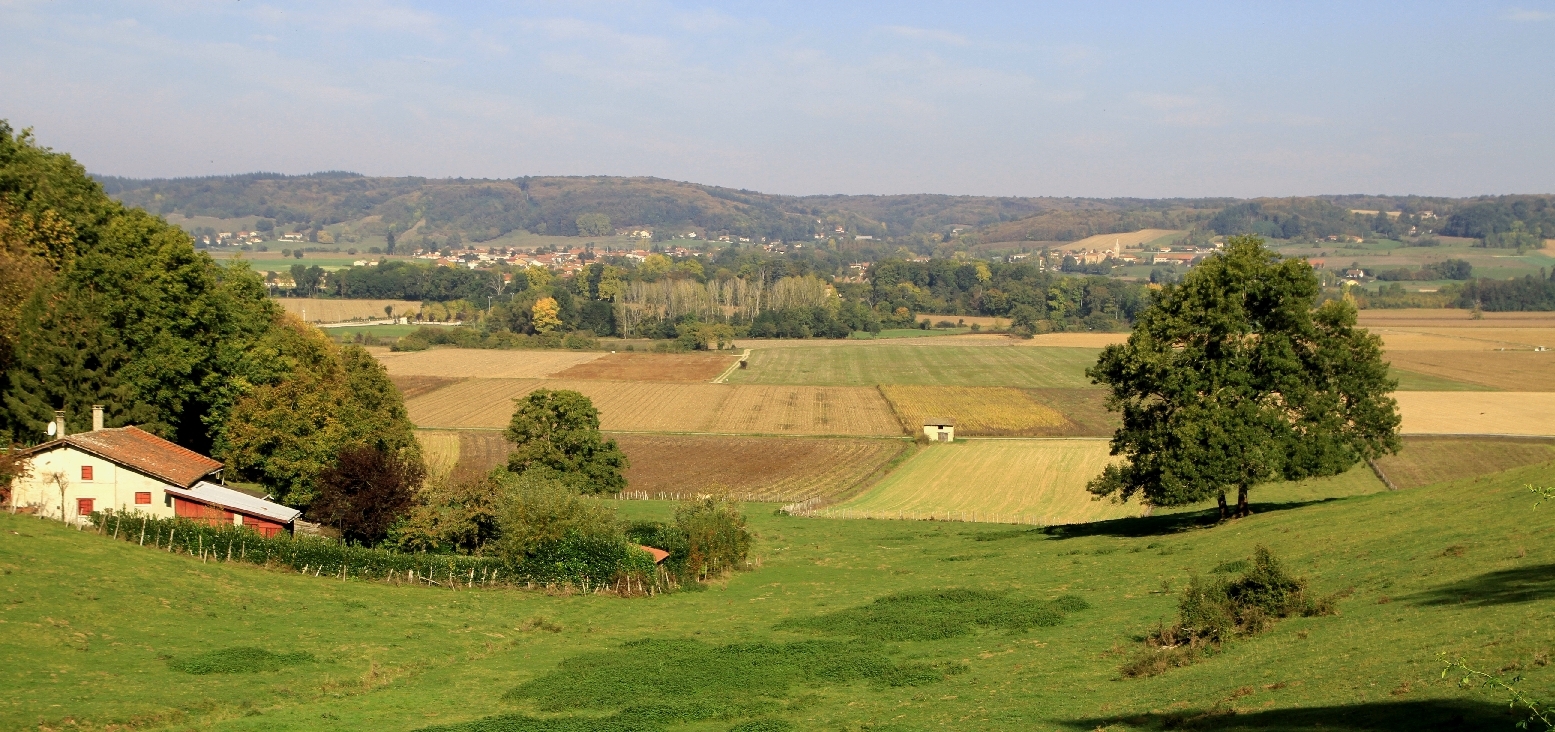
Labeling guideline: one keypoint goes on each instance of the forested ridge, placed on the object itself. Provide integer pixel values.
(483, 209)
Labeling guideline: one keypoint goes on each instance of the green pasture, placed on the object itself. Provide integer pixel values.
(980, 630)
(1019, 366)
(1416, 381)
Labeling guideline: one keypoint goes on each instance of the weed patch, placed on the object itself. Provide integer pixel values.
(238, 660)
(939, 615)
(1212, 612)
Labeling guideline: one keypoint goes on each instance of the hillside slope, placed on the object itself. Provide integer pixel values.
(1463, 568)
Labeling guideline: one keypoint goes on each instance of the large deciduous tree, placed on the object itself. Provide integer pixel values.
(557, 433)
(365, 492)
(1235, 378)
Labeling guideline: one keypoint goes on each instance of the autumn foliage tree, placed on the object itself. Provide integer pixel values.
(365, 492)
(1234, 378)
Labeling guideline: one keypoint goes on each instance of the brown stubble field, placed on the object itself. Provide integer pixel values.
(1427, 460)
(480, 363)
(676, 367)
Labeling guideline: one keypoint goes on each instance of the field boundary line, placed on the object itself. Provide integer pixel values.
(723, 377)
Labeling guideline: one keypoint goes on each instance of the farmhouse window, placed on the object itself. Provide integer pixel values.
(142, 498)
(83, 506)
(86, 472)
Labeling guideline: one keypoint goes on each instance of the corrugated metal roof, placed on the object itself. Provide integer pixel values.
(236, 502)
(141, 451)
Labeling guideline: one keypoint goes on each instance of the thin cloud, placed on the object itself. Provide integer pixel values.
(929, 34)
(1524, 15)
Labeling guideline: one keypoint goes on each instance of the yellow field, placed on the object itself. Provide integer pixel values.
(986, 321)
(1006, 481)
(440, 452)
(806, 410)
(1509, 370)
(481, 363)
(1073, 340)
(1125, 240)
(977, 410)
(669, 407)
(340, 311)
(1477, 412)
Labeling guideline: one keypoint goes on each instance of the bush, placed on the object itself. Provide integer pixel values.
(716, 538)
(238, 660)
(1212, 612)
(451, 516)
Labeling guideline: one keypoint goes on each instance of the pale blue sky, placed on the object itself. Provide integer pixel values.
(1077, 99)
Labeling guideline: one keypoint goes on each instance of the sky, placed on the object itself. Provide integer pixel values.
(1099, 99)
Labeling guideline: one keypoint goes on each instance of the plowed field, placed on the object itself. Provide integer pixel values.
(482, 363)
(806, 410)
(750, 468)
(652, 367)
(977, 410)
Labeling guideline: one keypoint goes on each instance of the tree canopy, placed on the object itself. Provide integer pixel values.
(556, 432)
(1235, 378)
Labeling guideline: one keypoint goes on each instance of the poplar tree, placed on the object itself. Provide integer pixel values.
(1235, 377)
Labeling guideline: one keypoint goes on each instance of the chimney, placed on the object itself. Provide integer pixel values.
(59, 424)
(97, 417)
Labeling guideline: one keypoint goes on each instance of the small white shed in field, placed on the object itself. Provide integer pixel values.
(940, 429)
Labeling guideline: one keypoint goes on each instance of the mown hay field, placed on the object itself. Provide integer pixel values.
(1453, 318)
(482, 363)
(1427, 460)
(340, 311)
(652, 367)
(1477, 412)
(751, 468)
(943, 366)
(666, 407)
(440, 451)
(1124, 239)
(1508, 370)
(986, 321)
(977, 410)
(1001, 481)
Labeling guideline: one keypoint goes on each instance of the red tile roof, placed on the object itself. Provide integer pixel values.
(659, 555)
(140, 451)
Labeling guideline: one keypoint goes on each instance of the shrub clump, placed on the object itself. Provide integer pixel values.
(708, 539)
(238, 660)
(1214, 611)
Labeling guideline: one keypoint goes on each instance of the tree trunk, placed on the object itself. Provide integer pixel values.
(1222, 505)
(1242, 509)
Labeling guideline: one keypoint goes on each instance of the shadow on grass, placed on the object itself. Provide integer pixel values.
(1429, 715)
(1171, 523)
(1506, 587)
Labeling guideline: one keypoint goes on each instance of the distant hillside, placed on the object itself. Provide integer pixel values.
(479, 209)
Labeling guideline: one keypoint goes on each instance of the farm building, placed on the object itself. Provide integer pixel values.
(128, 469)
(940, 429)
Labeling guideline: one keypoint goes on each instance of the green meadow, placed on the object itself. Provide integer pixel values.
(845, 625)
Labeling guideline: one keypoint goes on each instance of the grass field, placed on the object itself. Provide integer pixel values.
(977, 410)
(1022, 481)
(1415, 381)
(482, 363)
(83, 611)
(389, 332)
(340, 311)
(941, 366)
(668, 407)
(1477, 412)
(652, 367)
(1427, 460)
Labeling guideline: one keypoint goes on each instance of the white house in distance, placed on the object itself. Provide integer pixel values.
(127, 469)
(940, 429)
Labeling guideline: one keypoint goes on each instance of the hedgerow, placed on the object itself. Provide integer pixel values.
(584, 563)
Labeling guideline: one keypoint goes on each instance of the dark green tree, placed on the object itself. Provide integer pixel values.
(1234, 378)
(556, 432)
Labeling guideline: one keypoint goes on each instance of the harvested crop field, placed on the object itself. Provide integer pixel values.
(806, 410)
(1125, 239)
(661, 407)
(482, 363)
(340, 311)
(977, 410)
(986, 321)
(439, 450)
(1477, 412)
(1509, 370)
(941, 365)
(413, 386)
(652, 367)
(1453, 318)
(479, 452)
(1002, 481)
(751, 468)
(1074, 340)
(1427, 460)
